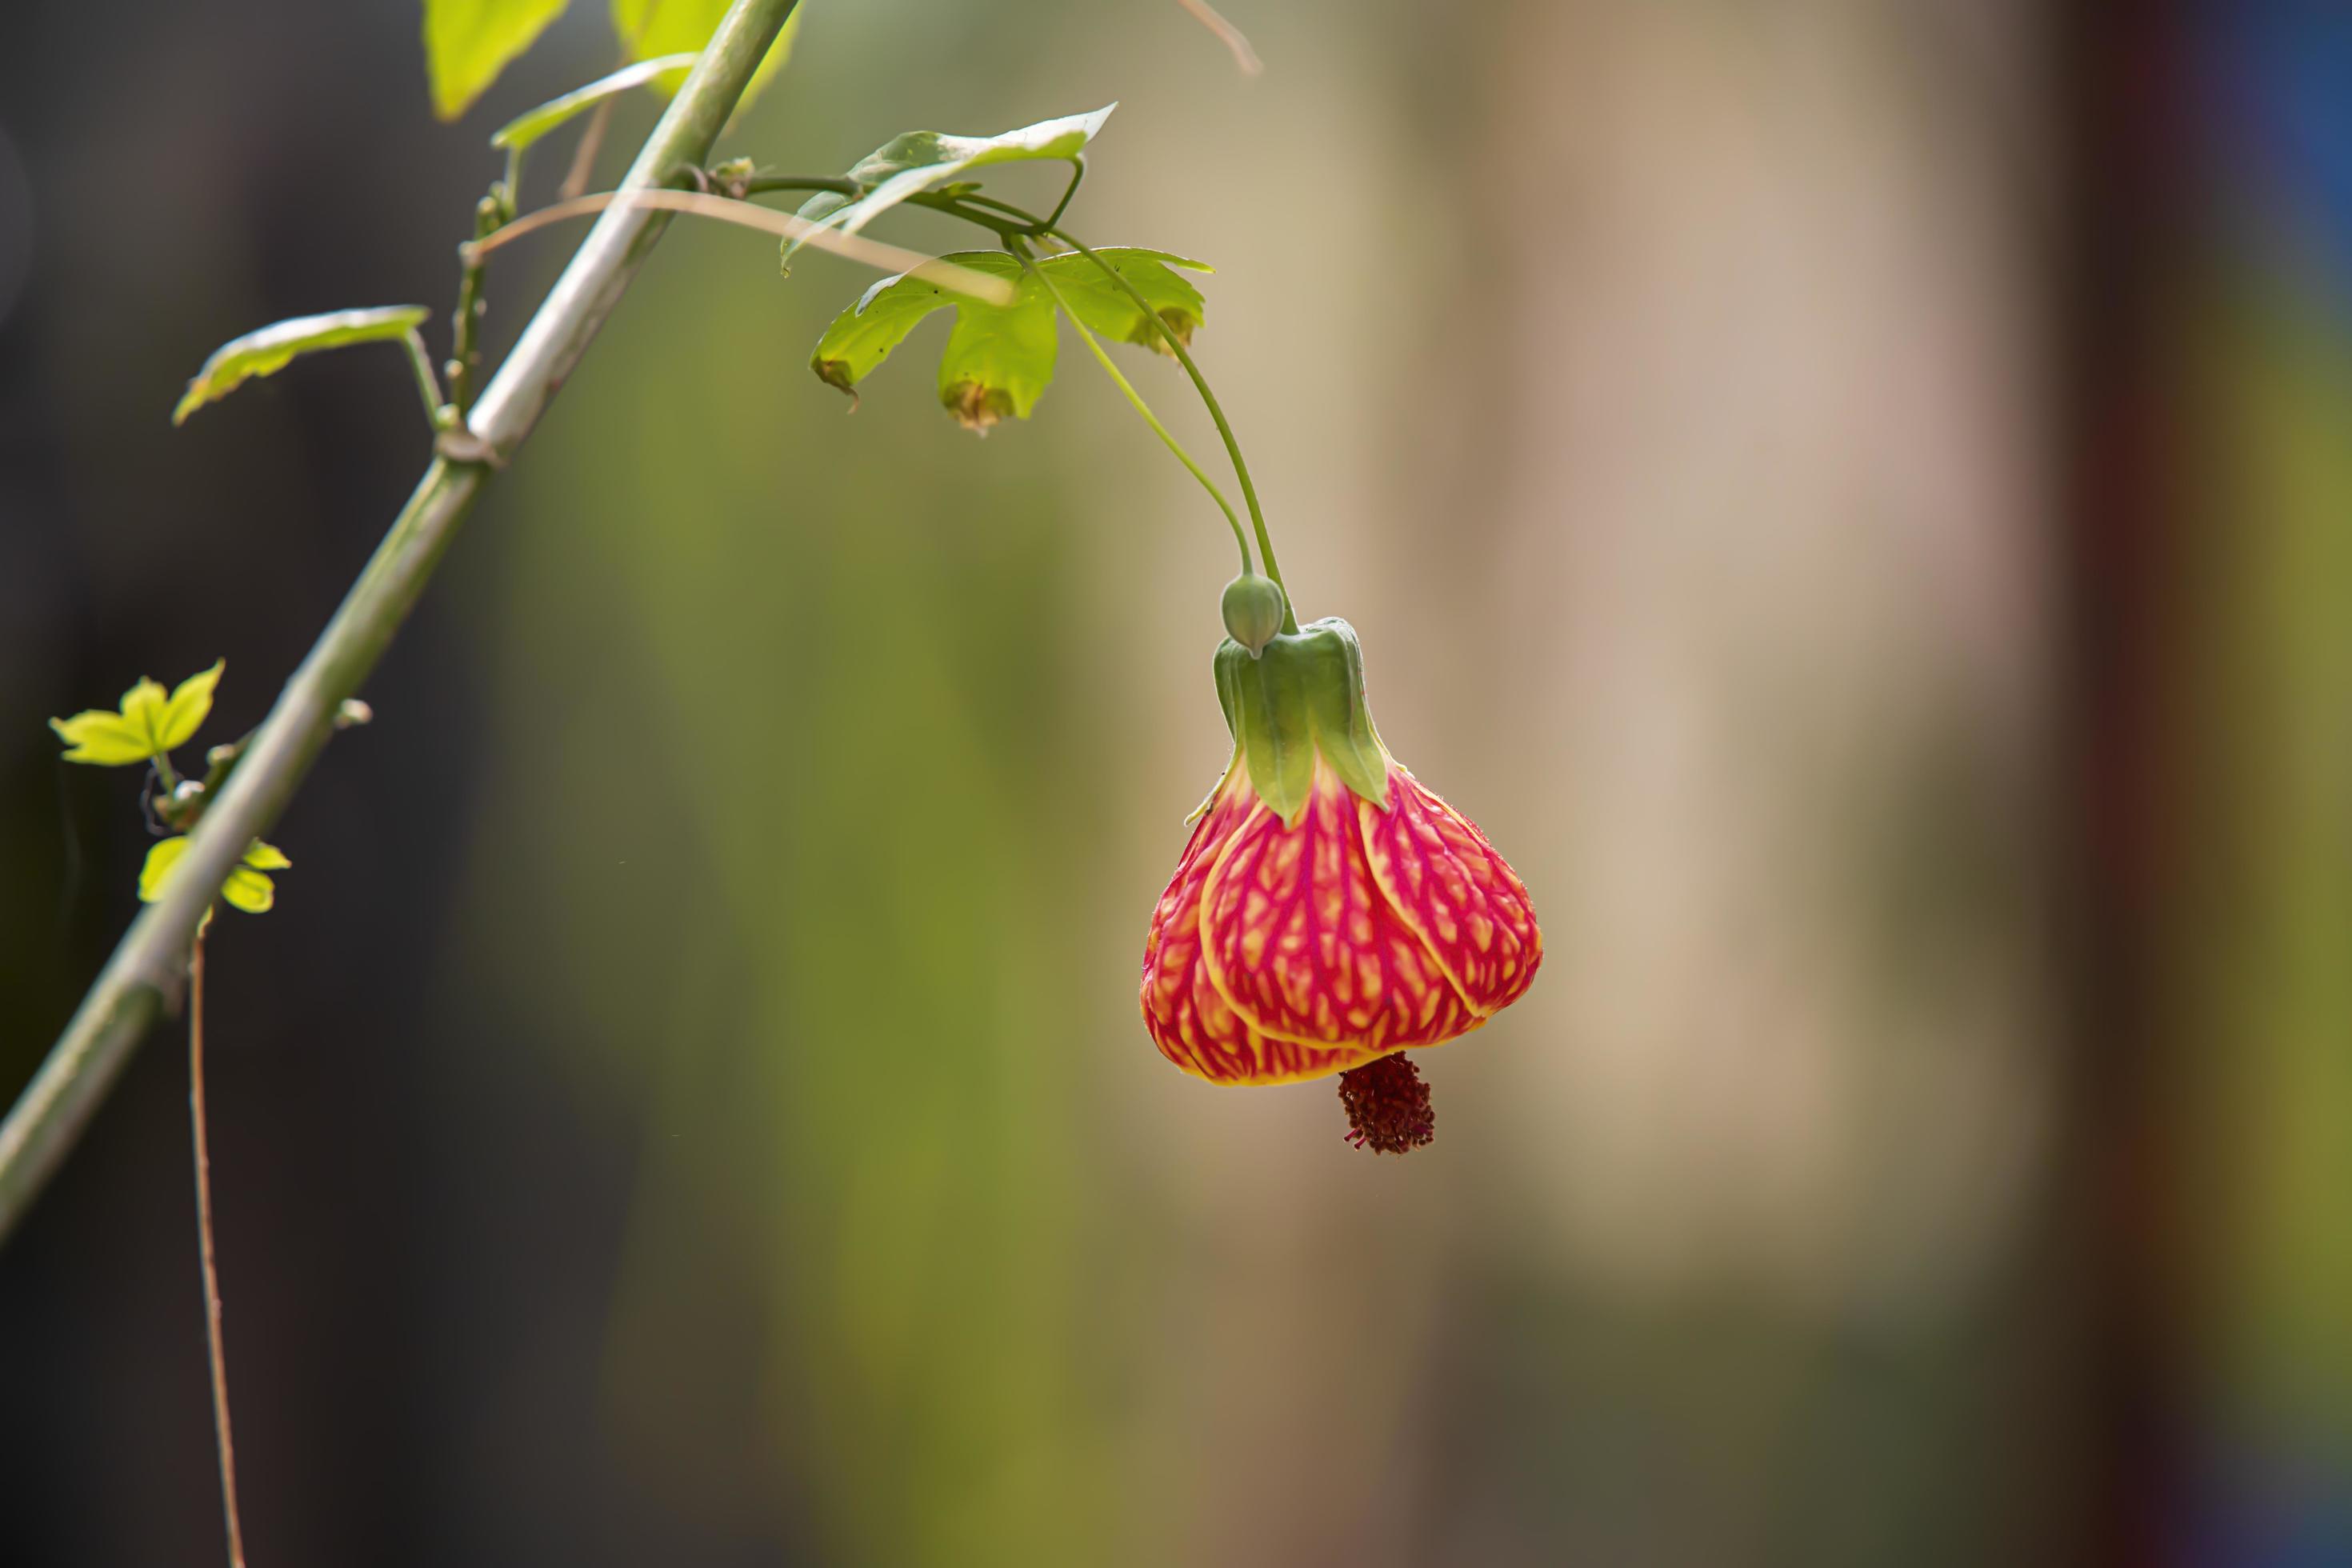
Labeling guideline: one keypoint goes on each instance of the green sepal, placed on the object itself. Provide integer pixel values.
(1303, 695)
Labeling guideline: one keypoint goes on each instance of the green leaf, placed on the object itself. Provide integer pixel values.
(149, 724)
(1110, 312)
(650, 27)
(821, 206)
(268, 857)
(531, 125)
(250, 891)
(271, 349)
(102, 738)
(191, 702)
(469, 42)
(248, 887)
(158, 868)
(913, 161)
(1000, 358)
(862, 337)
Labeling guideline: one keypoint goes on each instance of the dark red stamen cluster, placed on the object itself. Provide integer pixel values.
(1387, 1106)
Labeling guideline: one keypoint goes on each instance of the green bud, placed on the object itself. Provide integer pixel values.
(1253, 609)
(733, 176)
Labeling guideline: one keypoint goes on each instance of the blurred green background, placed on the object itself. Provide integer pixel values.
(1854, 499)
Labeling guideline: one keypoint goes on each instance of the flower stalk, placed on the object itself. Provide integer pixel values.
(1111, 368)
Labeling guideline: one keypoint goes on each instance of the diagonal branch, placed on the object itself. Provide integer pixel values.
(150, 963)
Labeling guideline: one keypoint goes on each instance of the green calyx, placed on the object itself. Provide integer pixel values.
(1303, 694)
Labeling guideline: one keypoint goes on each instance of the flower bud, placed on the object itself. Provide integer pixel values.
(1253, 608)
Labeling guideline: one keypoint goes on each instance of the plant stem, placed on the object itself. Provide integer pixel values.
(762, 183)
(150, 962)
(227, 1443)
(421, 361)
(1142, 408)
(955, 206)
(1217, 412)
(465, 326)
(1077, 176)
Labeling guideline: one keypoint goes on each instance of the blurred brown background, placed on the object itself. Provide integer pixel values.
(1854, 495)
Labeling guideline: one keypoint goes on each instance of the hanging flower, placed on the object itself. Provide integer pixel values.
(1330, 912)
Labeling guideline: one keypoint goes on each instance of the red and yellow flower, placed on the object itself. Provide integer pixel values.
(1329, 912)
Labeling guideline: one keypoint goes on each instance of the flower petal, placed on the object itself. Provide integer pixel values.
(1301, 944)
(1464, 901)
(1189, 1019)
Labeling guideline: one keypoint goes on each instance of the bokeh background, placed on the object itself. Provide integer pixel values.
(1854, 495)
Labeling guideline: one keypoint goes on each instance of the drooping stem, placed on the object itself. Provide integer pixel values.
(225, 1442)
(1217, 412)
(1027, 224)
(151, 961)
(1142, 408)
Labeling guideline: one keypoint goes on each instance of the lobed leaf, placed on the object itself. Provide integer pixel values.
(531, 124)
(147, 725)
(191, 704)
(1000, 358)
(649, 28)
(913, 161)
(1109, 311)
(272, 348)
(469, 42)
(104, 739)
(862, 337)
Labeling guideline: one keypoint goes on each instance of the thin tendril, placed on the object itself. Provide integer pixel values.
(1135, 397)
